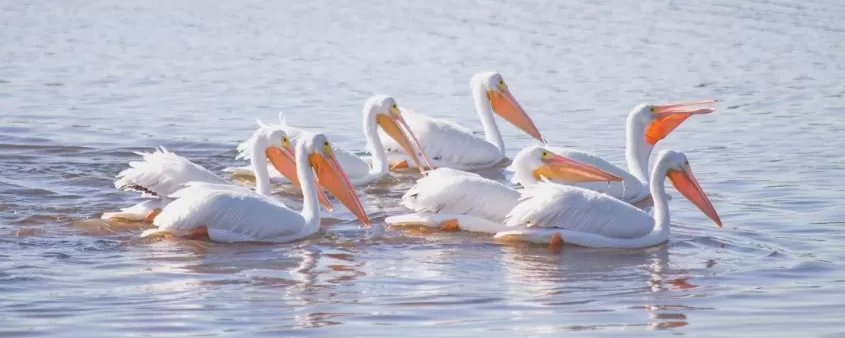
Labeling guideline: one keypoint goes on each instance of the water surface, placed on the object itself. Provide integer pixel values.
(83, 84)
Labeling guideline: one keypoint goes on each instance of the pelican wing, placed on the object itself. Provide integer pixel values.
(230, 212)
(446, 142)
(162, 173)
(450, 191)
(549, 205)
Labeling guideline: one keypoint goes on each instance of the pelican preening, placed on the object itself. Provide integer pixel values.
(552, 213)
(452, 199)
(162, 173)
(379, 111)
(227, 213)
(646, 125)
(450, 145)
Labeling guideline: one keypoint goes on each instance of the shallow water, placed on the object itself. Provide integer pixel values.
(84, 84)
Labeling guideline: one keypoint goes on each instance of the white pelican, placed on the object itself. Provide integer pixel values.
(452, 199)
(379, 111)
(554, 213)
(453, 146)
(162, 173)
(227, 213)
(646, 125)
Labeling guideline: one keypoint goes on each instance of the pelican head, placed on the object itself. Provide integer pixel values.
(384, 110)
(279, 152)
(504, 104)
(658, 121)
(320, 157)
(680, 174)
(536, 162)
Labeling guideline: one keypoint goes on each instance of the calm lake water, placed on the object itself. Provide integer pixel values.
(83, 84)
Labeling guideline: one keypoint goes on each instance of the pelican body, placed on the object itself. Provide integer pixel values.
(452, 199)
(551, 213)
(380, 114)
(450, 145)
(646, 125)
(162, 173)
(226, 213)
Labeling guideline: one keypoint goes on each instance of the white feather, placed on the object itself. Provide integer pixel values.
(355, 167)
(163, 173)
(446, 143)
(549, 205)
(229, 213)
(158, 175)
(477, 203)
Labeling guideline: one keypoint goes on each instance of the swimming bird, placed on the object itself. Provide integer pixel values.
(552, 213)
(452, 199)
(450, 145)
(162, 173)
(380, 111)
(227, 213)
(646, 125)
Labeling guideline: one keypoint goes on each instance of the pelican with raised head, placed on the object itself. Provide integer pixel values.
(226, 213)
(646, 125)
(379, 111)
(450, 145)
(553, 213)
(452, 199)
(162, 173)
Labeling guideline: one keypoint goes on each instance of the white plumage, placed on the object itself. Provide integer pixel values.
(348, 160)
(588, 218)
(453, 146)
(160, 174)
(476, 203)
(229, 213)
(446, 143)
(361, 171)
(549, 204)
(645, 126)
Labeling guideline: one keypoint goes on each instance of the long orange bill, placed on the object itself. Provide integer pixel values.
(331, 175)
(562, 168)
(396, 127)
(505, 105)
(687, 185)
(283, 161)
(667, 117)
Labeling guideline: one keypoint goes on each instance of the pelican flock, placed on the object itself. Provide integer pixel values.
(556, 195)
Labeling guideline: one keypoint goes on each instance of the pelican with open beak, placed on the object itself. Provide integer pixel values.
(647, 124)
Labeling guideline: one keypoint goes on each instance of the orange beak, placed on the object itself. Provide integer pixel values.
(562, 168)
(669, 116)
(283, 161)
(331, 176)
(395, 126)
(687, 185)
(505, 105)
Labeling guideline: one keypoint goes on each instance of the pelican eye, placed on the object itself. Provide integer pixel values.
(545, 154)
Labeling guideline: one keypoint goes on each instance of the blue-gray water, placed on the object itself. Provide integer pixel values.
(85, 83)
